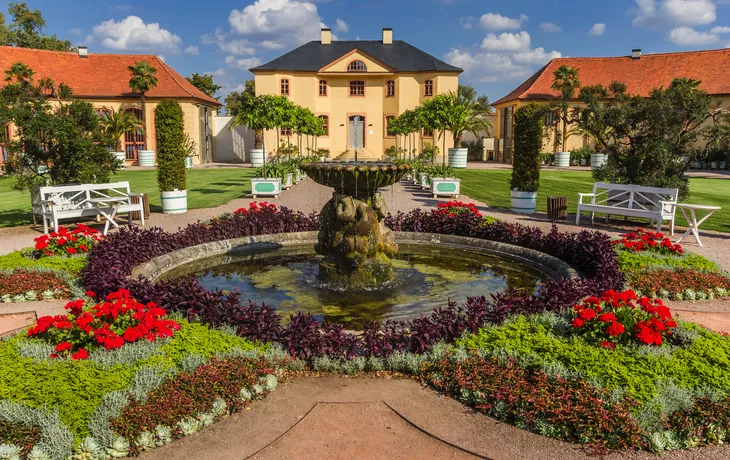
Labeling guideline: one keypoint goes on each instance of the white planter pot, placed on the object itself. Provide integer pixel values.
(265, 187)
(121, 156)
(288, 181)
(695, 164)
(598, 160)
(714, 165)
(257, 157)
(146, 158)
(298, 176)
(441, 186)
(457, 158)
(562, 159)
(322, 158)
(188, 162)
(524, 202)
(425, 182)
(583, 162)
(723, 165)
(174, 202)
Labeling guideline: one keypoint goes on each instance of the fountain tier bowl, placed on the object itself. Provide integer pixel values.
(360, 180)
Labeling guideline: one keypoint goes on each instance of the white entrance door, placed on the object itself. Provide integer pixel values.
(356, 132)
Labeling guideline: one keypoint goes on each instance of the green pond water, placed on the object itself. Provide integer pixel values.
(426, 277)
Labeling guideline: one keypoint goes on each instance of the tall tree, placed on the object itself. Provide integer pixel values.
(26, 30)
(205, 84)
(566, 82)
(235, 99)
(143, 79)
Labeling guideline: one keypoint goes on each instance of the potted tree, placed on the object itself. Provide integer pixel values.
(565, 82)
(171, 154)
(143, 79)
(528, 128)
(117, 124)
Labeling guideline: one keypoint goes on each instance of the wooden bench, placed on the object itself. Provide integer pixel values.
(656, 204)
(61, 202)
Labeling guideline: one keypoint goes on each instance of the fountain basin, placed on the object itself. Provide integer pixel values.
(360, 180)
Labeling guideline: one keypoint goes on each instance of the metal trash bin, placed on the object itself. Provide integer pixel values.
(557, 208)
(145, 207)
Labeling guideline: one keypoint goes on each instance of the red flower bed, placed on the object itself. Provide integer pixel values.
(257, 208)
(621, 318)
(677, 281)
(109, 323)
(455, 207)
(21, 281)
(67, 242)
(188, 394)
(645, 240)
(571, 410)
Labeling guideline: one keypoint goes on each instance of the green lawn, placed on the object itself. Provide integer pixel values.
(207, 188)
(492, 187)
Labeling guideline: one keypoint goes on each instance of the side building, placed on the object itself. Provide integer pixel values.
(356, 87)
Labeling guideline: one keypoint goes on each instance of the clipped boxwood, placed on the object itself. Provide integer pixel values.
(170, 135)
(17, 259)
(528, 143)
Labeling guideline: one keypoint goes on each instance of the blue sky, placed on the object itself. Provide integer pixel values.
(498, 43)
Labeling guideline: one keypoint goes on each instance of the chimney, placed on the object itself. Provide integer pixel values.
(636, 53)
(326, 37)
(83, 52)
(387, 36)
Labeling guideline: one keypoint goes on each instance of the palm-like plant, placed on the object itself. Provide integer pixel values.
(20, 73)
(118, 123)
(143, 79)
(566, 82)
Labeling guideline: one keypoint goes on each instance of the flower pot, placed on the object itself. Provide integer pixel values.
(265, 187)
(598, 160)
(322, 158)
(122, 157)
(146, 158)
(562, 159)
(723, 165)
(425, 183)
(583, 162)
(714, 165)
(257, 157)
(694, 164)
(287, 181)
(524, 202)
(457, 158)
(188, 162)
(298, 176)
(445, 186)
(174, 202)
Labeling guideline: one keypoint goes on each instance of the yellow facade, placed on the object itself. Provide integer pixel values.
(338, 105)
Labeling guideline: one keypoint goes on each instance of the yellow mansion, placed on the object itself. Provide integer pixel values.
(355, 87)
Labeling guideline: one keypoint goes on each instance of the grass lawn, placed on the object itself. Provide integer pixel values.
(207, 188)
(492, 187)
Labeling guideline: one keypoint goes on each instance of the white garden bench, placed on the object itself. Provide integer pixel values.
(61, 202)
(656, 204)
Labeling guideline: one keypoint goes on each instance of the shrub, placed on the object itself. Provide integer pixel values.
(67, 242)
(170, 135)
(528, 142)
(679, 281)
(633, 262)
(645, 240)
(621, 318)
(24, 259)
(112, 322)
(558, 407)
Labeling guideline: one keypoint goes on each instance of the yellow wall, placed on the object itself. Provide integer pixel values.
(338, 105)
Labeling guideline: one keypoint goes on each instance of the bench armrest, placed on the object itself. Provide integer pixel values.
(670, 205)
(582, 195)
(47, 203)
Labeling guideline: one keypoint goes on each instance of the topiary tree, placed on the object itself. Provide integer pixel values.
(170, 135)
(527, 145)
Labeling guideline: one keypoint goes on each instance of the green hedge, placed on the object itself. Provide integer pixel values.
(528, 143)
(72, 265)
(170, 136)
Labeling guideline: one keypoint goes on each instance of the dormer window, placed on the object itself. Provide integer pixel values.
(357, 66)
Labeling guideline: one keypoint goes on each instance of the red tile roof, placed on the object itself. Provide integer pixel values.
(641, 75)
(100, 75)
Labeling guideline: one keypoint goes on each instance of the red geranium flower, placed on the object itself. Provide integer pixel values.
(577, 323)
(615, 329)
(63, 346)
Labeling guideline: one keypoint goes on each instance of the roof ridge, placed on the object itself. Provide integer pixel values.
(669, 53)
(171, 74)
(74, 53)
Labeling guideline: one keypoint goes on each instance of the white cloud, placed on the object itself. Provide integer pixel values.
(467, 22)
(162, 58)
(228, 45)
(538, 56)
(216, 73)
(242, 64)
(686, 36)
(271, 45)
(284, 22)
(550, 27)
(720, 30)
(489, 67)
(76, 31)
(132, 34)
(598, 29)
(341, 26)
(495, 21)
(659, 13)
(193, 50)
(507, 41)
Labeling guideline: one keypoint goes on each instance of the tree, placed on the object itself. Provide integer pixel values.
(205, 84)
(528, 143)
(602, 109)
(26, 30)
(171, 151)
(118, 123)
(58, 143)
(143, 79)
(258, 113)
(235, 99)
(566, 82)
(480, 102)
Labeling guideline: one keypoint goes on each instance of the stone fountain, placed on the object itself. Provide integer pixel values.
(353, 239)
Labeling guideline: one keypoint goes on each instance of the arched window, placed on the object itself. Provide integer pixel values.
(357, 66)
(325, 124)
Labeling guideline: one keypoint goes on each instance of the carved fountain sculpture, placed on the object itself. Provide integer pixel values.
(353, 239)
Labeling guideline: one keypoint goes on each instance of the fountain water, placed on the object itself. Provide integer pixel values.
(353, 239)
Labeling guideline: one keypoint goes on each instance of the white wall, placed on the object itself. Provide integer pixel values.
(231, 145)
